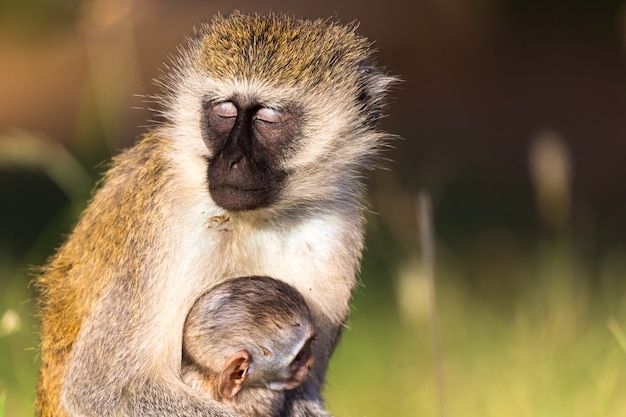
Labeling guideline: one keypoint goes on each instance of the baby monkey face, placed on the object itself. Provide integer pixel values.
(290, 375)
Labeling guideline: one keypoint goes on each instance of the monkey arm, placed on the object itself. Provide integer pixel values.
(154, 399)
(118, 367)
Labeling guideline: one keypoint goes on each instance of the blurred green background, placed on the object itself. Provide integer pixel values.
(513, 118)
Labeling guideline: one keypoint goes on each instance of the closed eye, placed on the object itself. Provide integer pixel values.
(225, 109)
(268, 115)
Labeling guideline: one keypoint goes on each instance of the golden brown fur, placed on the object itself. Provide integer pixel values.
(115, 296)
(306, 53)
(74, 279)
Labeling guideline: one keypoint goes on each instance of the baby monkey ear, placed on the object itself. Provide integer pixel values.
(234, 374)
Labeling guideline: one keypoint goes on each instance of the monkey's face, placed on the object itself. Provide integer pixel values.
(298, 369)
(286, 362)
(247, 141)
(282, 109)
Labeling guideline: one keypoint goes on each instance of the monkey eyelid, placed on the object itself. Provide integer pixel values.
(225, 109)
(269, 115)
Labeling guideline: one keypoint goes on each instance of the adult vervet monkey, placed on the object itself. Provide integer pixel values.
(256, 170)
(246, 341)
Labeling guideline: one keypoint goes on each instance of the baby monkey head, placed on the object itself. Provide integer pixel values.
(250, 332)
(273, 343)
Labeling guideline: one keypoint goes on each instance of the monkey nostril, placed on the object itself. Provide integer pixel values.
(236, 163)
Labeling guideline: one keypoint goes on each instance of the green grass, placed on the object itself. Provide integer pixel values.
(549, 351)
(3, 399)
(18, 345)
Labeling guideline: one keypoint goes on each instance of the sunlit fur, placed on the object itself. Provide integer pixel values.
(115, 296)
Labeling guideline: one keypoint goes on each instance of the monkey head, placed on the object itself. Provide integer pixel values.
(250, 332)
(282, 109)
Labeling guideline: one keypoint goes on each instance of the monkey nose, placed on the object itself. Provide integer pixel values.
(236, 162)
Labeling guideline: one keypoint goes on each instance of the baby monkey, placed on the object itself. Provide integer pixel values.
(246, 341)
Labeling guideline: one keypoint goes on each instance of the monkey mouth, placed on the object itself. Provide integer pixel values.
(240, 198)
(237, 189)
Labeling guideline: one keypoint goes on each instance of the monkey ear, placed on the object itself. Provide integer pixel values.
(373, 82)
(234, 374)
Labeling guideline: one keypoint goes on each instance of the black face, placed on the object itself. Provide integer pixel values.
(247, 142)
